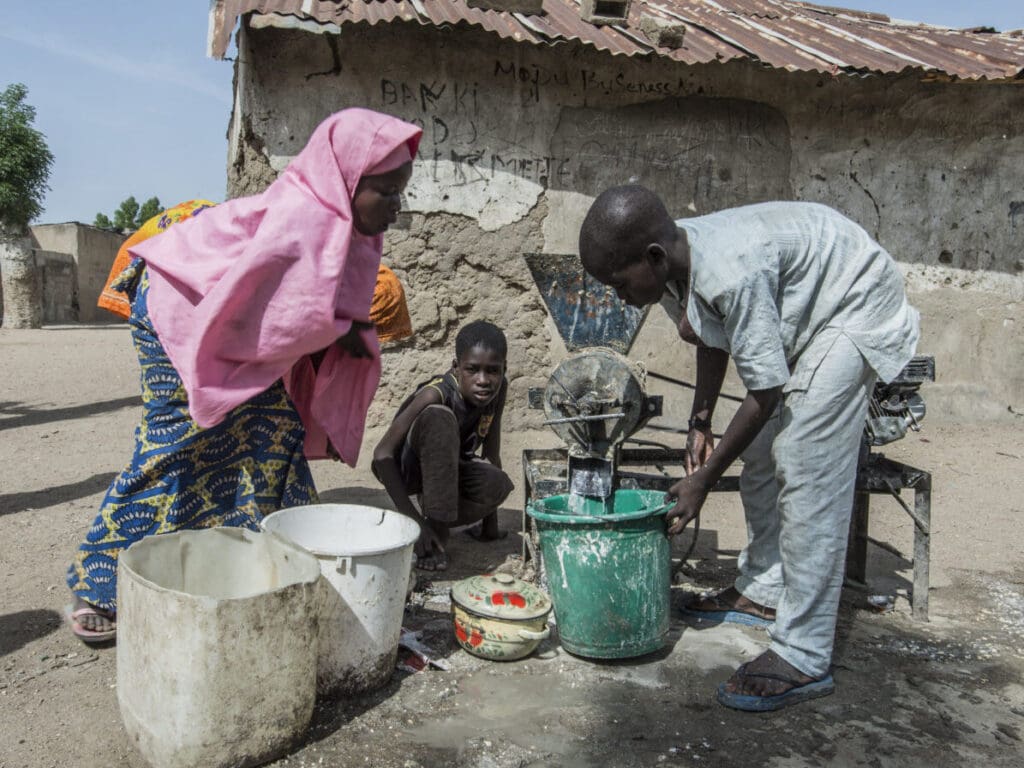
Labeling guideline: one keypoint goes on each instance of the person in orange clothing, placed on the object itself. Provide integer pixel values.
(389, 312)
(117, 302)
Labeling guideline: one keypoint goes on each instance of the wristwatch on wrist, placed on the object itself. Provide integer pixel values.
(696, 422)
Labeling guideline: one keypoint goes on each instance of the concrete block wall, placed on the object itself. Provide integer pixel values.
(92, 251)
(96, 251)
(518, 139)
(59, 279)
(20, 283)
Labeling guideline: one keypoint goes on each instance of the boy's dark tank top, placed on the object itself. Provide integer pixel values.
(474, 423)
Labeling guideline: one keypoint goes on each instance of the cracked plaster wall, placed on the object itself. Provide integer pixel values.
(518, 139)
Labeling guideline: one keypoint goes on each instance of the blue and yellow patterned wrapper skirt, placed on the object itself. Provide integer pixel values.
(183, 476)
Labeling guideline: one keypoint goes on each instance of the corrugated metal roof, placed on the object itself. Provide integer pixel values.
(779, 33)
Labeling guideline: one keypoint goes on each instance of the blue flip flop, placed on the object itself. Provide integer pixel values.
(728, 617)
(746, 703)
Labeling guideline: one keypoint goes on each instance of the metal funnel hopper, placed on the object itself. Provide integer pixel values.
(586, 313)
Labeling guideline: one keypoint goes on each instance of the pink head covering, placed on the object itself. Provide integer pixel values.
(399, 156)
(241, 294)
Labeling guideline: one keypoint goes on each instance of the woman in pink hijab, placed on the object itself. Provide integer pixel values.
(252, 328)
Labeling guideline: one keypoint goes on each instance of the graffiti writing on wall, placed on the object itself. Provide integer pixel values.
(480, 166)
(595, 82)
(454, 145)
(715, 151)
(452, 97)
(1016, 211)
(531, 78)
(709, 153)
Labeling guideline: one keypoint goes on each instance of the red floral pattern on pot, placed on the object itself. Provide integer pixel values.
(501, 595)
(508, 598)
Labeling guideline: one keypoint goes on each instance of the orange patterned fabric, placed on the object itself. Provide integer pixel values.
(389, 312)
(117, 302)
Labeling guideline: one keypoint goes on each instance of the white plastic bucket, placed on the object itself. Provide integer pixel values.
(365, 556)
(216, 634)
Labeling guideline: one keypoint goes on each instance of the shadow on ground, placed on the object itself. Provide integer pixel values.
(22, 627)
(58, 494)
(16, 415)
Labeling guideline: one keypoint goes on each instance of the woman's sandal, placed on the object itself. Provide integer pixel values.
(73, 617)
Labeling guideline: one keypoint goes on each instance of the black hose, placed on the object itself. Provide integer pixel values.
(688, 385)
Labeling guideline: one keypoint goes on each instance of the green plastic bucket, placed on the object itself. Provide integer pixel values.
(608, 570)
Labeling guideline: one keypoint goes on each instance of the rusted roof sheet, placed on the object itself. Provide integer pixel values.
(784, 34)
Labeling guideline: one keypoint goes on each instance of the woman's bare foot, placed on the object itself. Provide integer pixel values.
(731, 600)
(92, 618)
(90, 624)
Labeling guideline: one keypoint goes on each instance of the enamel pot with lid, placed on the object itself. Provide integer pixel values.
(499, 617)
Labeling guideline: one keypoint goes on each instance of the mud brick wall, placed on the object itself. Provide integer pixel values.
(518, 139)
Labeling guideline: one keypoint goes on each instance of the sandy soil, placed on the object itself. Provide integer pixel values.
(944, 693)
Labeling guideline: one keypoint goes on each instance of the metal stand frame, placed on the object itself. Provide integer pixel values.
(881, 475)
(544, 474)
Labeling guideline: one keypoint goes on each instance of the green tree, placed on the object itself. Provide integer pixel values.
(126, 214)
(129, 216)
(25, 161)
(149, 209)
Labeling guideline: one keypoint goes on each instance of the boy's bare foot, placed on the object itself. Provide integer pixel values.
(487, 529)
(438, 561)
(482, 532)
(731, 600)
(430, 554)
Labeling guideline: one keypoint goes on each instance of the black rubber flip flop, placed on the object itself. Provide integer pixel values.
(795, 695)
(728, 617)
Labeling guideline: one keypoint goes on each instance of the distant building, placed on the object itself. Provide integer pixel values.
(69, 267)
(87, 252)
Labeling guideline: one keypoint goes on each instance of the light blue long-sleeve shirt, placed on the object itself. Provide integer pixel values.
(765, 278)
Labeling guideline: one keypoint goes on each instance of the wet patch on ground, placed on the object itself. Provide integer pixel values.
(947, 692)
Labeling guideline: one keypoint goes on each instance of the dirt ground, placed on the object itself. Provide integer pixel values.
(948, 692)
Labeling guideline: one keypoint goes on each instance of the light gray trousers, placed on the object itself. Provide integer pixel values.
(797, 487)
